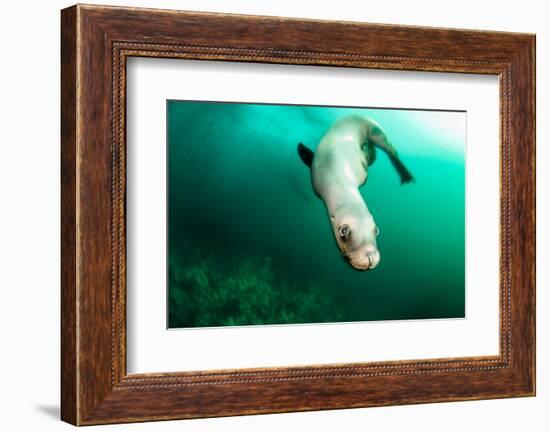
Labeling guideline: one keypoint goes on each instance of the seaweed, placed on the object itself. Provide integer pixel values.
(205, 291)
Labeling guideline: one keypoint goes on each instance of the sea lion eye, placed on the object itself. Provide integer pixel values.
(344, 231)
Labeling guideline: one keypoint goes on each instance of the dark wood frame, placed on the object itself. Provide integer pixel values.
(95, 43)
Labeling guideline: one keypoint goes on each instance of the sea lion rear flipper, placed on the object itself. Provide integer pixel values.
(378, 138)
(305, 154)
(404, 174)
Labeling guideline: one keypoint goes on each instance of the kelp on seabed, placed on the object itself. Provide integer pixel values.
(205, 292)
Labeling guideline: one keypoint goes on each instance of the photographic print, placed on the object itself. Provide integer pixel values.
(275, 221)
(293, 214)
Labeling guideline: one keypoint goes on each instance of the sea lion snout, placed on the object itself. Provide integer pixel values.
(374, 257)
(365, 258)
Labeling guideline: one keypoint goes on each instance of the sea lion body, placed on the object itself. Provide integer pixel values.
(339, 167)
(339, 159)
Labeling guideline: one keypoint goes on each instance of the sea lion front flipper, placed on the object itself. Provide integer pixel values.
(305, 154)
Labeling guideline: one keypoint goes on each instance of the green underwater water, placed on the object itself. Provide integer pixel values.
(250, 243)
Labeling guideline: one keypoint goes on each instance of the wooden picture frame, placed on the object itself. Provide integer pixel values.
(95, 43)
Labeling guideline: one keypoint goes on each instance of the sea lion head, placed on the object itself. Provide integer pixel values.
(356, 239)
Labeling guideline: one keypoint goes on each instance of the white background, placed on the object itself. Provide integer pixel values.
(151, 348)
(29, 228)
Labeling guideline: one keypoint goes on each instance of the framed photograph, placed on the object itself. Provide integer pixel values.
(317, 215)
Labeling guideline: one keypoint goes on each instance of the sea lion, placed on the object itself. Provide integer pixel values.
(339, 167)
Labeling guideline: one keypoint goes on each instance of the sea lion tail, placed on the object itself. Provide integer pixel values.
(306, 155)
